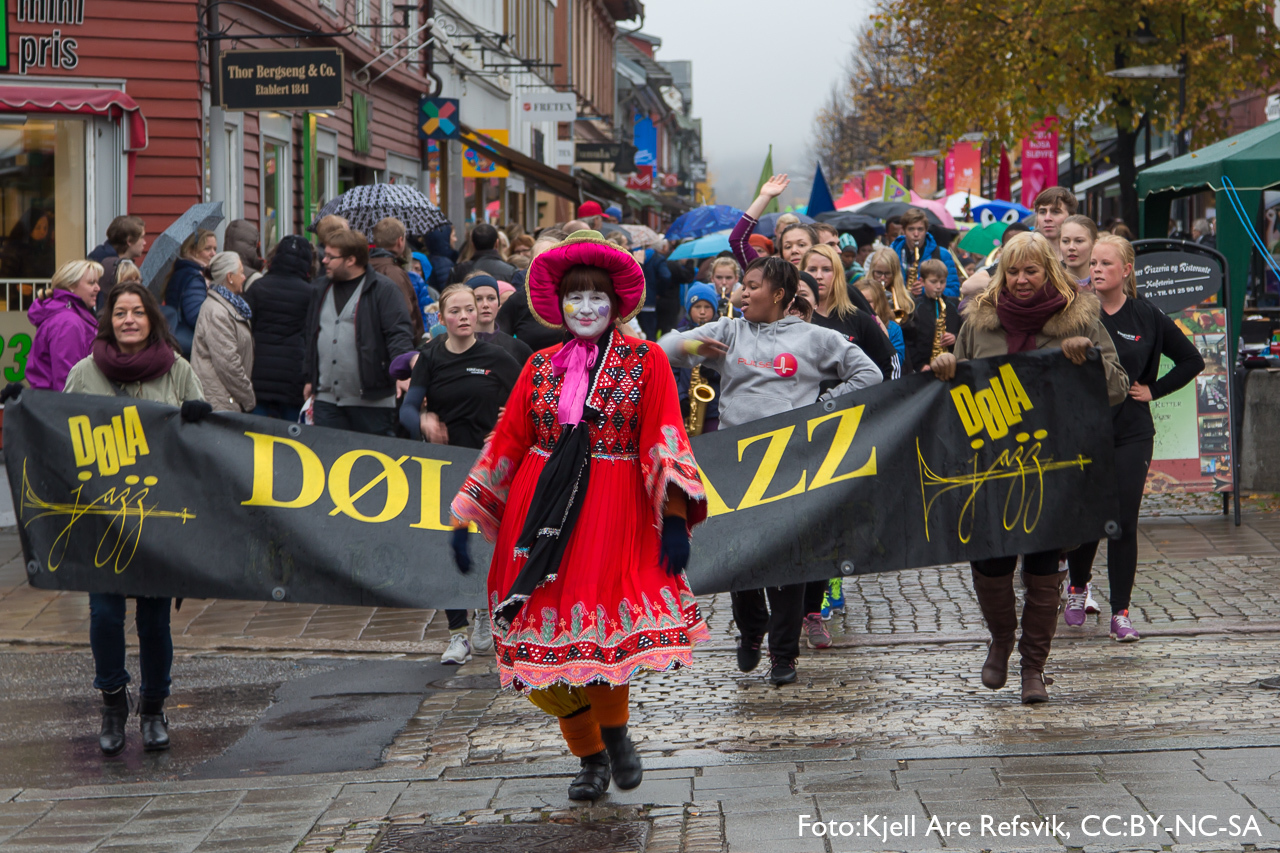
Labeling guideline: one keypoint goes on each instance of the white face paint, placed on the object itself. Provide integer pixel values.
(586, 313)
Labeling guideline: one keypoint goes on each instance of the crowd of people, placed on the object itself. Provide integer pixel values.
(502, 347)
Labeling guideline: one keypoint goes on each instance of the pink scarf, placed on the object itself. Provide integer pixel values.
(574, 362)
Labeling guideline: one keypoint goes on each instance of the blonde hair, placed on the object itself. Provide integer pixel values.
(897, 285)
(837, 298)
(727, 262)
(452, 290)
(1125, 248)
(127, 270)
(70, 274)
(1030, 246)
(879, 302)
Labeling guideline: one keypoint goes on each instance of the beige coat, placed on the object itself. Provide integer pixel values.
(982, 337)
(222, 355)
(174, 388)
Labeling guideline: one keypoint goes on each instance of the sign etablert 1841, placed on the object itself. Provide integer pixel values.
(297, 79)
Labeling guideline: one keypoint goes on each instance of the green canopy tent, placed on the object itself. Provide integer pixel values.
(1251, 161)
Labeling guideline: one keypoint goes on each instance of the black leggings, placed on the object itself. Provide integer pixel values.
(1038, 563)
(781, 619)
(457, 619)
(813, 593)
(1132, 462)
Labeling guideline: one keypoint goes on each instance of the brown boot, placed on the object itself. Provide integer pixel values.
(1000, 609)
(1039, 622)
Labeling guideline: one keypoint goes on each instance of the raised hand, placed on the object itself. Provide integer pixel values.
(775, 186)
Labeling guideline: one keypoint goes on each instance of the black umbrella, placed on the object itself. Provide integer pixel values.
(769, 221)
(363, 207)
(165, 248)
(846, 221)
(885, 209)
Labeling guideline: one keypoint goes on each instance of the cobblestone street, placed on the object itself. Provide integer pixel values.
(891, 721)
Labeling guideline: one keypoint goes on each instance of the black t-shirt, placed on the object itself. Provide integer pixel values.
(862, 329)
(518, 350)
(1142, 333)
(465, 390)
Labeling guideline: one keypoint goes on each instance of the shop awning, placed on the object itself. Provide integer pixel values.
(602, 188)
(111, 103)
(552, 179)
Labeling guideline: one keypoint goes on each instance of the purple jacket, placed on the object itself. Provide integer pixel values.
(65, 328)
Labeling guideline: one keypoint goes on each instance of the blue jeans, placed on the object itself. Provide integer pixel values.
(279, 411)
(155, 643)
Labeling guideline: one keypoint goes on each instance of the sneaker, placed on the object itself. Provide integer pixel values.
(1090, 606)
(1074, 612)
(482, 634)
(748, 653)
(816, 633)
(833, 599)
(459, 651)
(1122, 629)
(783, 671)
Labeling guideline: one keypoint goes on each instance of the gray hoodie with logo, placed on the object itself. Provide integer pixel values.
(772, 368)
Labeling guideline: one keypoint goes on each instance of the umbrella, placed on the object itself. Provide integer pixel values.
(937, 207)
(363, 207)
(848, 222)
(767, 223)
(999, 211)
(984, 238)
(165, 248)
(956, 201)
(607, 228)
(642, 235)
(704, 247)
(885, 209)
(704, 220)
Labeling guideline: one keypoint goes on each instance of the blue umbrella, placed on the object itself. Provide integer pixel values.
(767, 222)
(703, 221)
(1007, 212)
(704, 247)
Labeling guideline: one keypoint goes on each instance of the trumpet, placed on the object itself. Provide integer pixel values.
(700, 394)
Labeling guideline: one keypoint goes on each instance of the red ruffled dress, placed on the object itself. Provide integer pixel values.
(611, 608)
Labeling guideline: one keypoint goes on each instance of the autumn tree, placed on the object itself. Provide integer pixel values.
(1002, 67)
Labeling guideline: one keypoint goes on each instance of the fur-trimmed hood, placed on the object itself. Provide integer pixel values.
(1075, 319)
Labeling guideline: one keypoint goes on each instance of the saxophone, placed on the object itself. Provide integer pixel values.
(700, 394)
(913, 275)
(939, 329)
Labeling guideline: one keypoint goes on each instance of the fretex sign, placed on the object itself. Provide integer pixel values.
(548, 106)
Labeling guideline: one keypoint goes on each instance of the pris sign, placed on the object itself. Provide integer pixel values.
(52, 50)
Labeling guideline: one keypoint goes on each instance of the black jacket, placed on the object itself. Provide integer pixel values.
(280, 301)
(918, 331)
(515, 318)
(382, 333)
(488, 261)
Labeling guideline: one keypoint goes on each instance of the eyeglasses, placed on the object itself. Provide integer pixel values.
(328, 258)
(881, 274)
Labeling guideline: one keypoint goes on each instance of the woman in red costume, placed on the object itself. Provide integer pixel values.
(589, 489)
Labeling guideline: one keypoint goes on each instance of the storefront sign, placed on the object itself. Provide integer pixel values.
(54, 50)
(114, 495)
(642, 179)
(565, 152)
(298, 79)
(698, 171)
(1039, 161)
(1193, 427)
(645, 136)
(476, 165)
(598, 152)
(16, 336)
(548, 106)
(438, 118)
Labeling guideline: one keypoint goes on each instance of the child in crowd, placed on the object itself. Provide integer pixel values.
(726, 278)
(701, 307)
(921, 328)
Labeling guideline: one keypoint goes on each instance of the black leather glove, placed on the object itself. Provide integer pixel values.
(11, 392)
(194, 411)
(461, 545)
(675, 545)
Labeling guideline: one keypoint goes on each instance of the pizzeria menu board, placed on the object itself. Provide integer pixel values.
(1193, 424)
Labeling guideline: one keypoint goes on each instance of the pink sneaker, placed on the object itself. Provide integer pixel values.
(1122, 629)
(816, 633)
(1074, 612)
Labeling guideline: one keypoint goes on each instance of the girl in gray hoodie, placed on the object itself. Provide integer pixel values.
(769, 363)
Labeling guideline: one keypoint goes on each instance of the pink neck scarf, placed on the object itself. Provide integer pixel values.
(574, 362)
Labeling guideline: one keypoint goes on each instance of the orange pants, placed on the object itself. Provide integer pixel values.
(583, 711)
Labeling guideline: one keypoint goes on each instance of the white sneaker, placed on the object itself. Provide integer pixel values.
(459, 651)
(1090, 606)
(482, 634)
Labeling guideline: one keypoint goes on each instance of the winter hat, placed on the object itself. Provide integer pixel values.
(759, 241)
(614, 212)
(293, 256)
(701, 293)
(505, 287)
(590, 208)
(848, 241)
(478, 281)
(588, 248)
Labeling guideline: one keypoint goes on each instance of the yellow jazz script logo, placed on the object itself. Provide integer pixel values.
(112, 446)
(1018, 470)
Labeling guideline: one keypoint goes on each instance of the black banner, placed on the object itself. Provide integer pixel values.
(306, 78)
(113, 495)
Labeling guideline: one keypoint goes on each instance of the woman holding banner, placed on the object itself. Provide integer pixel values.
(1142, 334)
(589, 490)
(134, 355)
(770, 362)
(1030, 304)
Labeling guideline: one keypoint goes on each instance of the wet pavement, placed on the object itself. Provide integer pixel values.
(335, 729)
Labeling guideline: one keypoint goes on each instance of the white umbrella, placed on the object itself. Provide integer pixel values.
(955, 203)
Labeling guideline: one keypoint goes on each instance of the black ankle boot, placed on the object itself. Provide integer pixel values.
(593, 779)
(115, 713)
(155, 725)
(627, 770)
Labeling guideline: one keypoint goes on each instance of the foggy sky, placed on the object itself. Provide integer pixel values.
(761, 72)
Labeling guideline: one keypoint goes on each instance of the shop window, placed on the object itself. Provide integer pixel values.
(42, 203)
(402, 170)
(277, 195)
(325, 187)
(362, 17)
(387, 18)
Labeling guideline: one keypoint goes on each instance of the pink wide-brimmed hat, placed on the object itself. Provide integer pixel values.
(585, 248)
